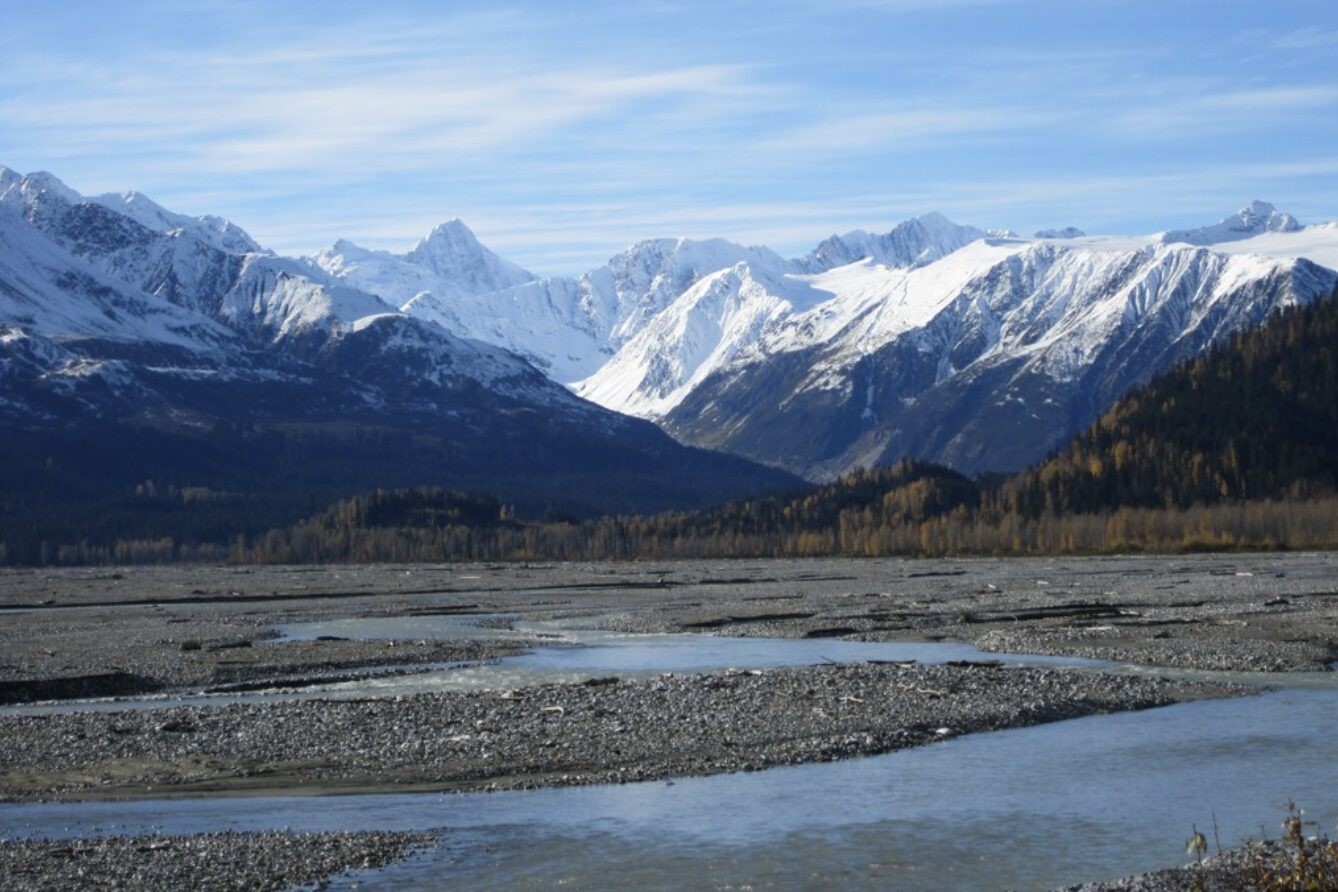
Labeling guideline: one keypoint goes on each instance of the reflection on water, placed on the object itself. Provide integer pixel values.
(1028, 808)
(574, 655)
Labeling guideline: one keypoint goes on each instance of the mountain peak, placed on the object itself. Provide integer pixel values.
(447, 239)
(452, 235)
(41, 182)
(682, 261)
(1066, 232)
(216, 231)
(1260, 216)
(344, 246)
(935, 219)
(450, 256)
(1255, 218)
(913, 242)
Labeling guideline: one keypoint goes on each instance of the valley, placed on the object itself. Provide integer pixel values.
(394, 681)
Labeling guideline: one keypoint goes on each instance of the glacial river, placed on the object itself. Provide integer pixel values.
(1030, 808)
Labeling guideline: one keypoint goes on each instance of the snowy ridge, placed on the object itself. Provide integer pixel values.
(913, 243)
(716, 319)
(448, 264)
(988, 358)
(214, 231)
(567, 326)
(104, 299)
(1254, 219)
(1058, 303)
(975, 347)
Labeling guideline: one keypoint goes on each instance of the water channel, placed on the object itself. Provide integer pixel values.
(1037, 807)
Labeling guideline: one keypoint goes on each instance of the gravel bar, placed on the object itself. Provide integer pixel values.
(212, 861)
(604, 730)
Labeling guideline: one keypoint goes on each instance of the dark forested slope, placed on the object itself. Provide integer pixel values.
(1256, 418)
(1238, 448)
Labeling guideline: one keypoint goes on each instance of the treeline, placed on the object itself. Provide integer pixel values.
(1255, 418)
(892, 523)
(1235, 449)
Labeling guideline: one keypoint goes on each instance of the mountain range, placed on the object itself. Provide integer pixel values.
(137, 344)
(975, 348)
(142, 346)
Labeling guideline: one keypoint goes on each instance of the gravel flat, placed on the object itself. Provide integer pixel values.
(561, 734)
(1241, 612)
(79, 633)
(218, 862)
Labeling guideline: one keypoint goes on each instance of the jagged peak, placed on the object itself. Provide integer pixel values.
(933, 219)
(344, 246)
(452, 232)
(1253, 219)
(452, 251)
(1263, 214)
(699, 255)
(912, 242)
(40, 182)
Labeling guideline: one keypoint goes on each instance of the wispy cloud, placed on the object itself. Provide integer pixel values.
(561, 133)
(1306, 39)
(892, 129)
(1226, 110)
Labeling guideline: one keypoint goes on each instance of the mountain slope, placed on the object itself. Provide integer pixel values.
(136, 346)
(1235, 449)
(716, 319)
(915, 242)
(1254, 418)
(984, 360)
(568, 327)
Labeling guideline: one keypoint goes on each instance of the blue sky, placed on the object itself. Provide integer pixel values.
(562, 132)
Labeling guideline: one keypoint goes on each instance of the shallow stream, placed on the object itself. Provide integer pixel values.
(571, 655)
(1037, 807)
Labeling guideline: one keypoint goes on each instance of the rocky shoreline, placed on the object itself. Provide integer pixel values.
(217, 862)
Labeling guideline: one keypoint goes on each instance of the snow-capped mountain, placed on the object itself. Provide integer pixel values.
(915, 242)
(715, 320)
(818, 364)
(974, 347)
(569, 327)
(447, 265)
(115, 312)
(980, 351)
(991, 373)
(124, 268)
(991, 356)
(1254, 219)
